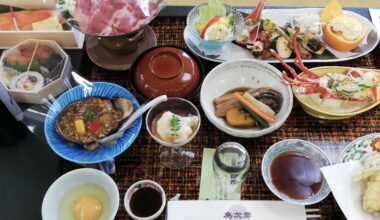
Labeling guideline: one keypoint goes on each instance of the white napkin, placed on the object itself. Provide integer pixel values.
(234, 210)
(375, 17)
(346, 190)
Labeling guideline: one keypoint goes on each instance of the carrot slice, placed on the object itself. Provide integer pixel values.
(209, 23)
(266, 117)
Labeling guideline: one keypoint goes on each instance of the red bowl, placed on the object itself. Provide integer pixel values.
(169, 70)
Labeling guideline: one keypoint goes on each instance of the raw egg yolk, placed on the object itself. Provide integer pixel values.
(87, 208)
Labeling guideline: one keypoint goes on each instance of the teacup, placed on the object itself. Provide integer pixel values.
(145, 200)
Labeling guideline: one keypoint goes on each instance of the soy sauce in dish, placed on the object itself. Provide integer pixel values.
(296, 175)
(145, 202)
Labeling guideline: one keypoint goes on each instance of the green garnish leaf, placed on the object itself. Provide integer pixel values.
(231, 19)
(88, 115)
(175, 124)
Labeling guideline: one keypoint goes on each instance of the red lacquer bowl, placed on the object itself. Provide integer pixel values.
(169, 70)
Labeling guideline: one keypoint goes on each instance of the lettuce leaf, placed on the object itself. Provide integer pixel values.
(212, 9)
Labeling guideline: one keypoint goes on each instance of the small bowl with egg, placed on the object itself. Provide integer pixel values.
(246, 98)
(291, 170)
(81, 194)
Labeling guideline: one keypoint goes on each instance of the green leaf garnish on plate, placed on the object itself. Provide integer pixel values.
(175, 124)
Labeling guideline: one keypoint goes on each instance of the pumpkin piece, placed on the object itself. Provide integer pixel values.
(237, 117)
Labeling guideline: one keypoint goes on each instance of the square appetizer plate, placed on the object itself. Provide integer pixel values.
(281, 17)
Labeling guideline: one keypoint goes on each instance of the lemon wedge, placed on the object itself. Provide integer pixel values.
(217, 32)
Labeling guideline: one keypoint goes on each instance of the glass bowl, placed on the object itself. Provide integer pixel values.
(172, 155)
(194, 17)
(106, 19)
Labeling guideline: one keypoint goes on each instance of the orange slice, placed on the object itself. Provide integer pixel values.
(336, 40)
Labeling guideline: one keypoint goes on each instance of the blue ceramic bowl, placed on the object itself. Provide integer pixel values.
(75, 152)
(295, 145)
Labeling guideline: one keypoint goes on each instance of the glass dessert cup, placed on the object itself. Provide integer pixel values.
(173, 155)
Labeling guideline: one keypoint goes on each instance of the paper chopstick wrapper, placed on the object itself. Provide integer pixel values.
(234, 210)
(30, 4)
(347, 191)
(208, 184)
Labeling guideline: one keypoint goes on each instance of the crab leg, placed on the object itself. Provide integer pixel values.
(374, 92)
(298, 59)
(291, 70)
(256, 16)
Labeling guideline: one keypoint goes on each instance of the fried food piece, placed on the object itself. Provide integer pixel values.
(371, 191)
(371, 197)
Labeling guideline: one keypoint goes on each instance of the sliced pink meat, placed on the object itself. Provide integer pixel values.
(113, 17)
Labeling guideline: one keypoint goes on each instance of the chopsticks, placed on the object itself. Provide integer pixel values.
(14, 18)
(312, 214)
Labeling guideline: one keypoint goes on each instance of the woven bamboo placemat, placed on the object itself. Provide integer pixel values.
(141, 160)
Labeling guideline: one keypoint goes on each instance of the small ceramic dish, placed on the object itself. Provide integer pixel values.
(167, 70)
(75, 152)
(319, 110)
(304, 147)
(244, 73)
(143, 184)
(360, 148)
(55, 194)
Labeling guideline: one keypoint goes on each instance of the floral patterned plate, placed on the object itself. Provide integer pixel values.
(357, 149)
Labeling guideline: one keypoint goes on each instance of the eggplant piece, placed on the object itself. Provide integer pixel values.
(281, 45)
(312, 44)
(268, 96)
(315, 46)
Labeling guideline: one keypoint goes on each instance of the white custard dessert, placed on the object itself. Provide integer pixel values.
(174, 128)
(350, 27)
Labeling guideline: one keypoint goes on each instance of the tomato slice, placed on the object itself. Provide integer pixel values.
(208, 24)
(93, 126)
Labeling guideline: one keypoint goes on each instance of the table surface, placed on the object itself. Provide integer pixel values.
(141, 160)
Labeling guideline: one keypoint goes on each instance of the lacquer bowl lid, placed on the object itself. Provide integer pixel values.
(167, 70)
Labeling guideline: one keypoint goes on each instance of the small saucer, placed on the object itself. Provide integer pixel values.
(114, 60)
